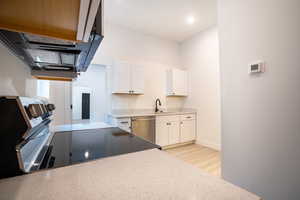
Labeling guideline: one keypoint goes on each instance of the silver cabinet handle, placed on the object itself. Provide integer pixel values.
(189, 117)
(124, 122)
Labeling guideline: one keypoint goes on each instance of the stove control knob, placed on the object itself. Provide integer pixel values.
(44, 108)
(35, 110)
(50, 107)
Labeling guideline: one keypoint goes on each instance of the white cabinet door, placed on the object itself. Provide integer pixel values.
(174, 132)
(188, 130)
(162, 133)
(180, 82)
(177, 83)
(121, 76)
(137, 79)
(171, 130)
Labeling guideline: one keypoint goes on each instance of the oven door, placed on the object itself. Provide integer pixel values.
(32, 151)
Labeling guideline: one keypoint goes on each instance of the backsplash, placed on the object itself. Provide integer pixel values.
(15, 78)
(140, 102)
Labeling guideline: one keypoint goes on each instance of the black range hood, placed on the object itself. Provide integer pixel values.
(48, 56)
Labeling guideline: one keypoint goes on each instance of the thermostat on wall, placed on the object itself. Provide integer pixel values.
(257, 67)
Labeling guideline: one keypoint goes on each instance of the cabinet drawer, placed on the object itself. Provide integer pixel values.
(187, 117)
(124, 121)
(170, 118)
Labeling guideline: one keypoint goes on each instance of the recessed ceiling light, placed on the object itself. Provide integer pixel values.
(190, 20)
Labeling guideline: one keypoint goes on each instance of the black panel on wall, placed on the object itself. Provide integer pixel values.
(85, 113)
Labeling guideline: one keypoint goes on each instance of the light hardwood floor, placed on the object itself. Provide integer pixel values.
(202, 157)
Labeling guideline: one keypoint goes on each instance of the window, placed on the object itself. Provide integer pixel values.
(43, 88)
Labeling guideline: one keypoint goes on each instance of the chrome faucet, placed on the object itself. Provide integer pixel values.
(159, 102)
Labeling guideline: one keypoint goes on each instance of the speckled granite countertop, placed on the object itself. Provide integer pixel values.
(150, 112)
(150, 174)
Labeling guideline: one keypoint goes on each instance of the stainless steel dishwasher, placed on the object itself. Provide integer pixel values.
(144, 127)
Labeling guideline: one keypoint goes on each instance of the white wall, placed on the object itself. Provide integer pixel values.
(122, 43)
(155, 54)
(200, 56)
(43, 88)
(15, 78)
(261, 114)
(94, 81)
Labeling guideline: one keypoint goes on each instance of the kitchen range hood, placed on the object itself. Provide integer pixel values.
(55, 58)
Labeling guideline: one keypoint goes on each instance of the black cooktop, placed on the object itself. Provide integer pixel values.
(73, 147)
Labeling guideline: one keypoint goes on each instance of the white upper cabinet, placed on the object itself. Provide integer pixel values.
(177, 82)
(121, 81)
(137, 79)
(127, 78)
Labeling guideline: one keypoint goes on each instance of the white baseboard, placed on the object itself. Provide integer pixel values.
(212, 145)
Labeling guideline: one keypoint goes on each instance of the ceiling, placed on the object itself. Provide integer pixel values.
(170, 19)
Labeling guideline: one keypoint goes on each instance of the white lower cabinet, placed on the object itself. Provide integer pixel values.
(162, 134)
(174, 133)
(175, 129)
(187, 130)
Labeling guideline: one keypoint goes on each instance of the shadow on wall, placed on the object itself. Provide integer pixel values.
(15, 78)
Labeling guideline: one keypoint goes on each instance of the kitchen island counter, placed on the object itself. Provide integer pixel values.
(144, 175)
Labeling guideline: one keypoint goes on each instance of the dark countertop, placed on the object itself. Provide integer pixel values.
(80, 146)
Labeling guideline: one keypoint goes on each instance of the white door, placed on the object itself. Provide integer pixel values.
(77, 102)
(162, 133)
(121, 78)
(60, 96)
(174, 133)
(137, 79)
(188, 130)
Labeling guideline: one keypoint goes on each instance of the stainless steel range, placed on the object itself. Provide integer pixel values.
(27, 145)
(24, 134)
